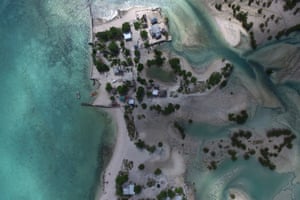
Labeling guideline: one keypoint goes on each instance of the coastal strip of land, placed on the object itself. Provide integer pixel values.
(151, 111)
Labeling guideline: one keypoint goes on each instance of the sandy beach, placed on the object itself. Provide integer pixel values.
(123, 149)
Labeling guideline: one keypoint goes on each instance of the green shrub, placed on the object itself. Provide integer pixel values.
(114, 48)
(101, 67)
(144, 35)
(141, 166)
(137, 25)
(140, 67)
(157, 171)
(137, 189)
(140, 94)
(108, 87)
(126, 27)
(214, 78)
(122, 89)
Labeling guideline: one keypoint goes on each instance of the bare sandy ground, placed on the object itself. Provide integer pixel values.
(122, 17)
(230, 30)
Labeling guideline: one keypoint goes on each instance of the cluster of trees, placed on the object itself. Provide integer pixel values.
(212, 165)
(279, 132)
(101, 66)
(158, 59)
(180, 128)
(175, 65)
(239, 118)
(140, 67)
(290, 4)
(142, 145)
(243, 18)
(113, 48)
(122, 89)
(144, 34)
(288, 138)
(233, 154)
(170, 193)
(137, 189)
(288, 31)
(112, 34)
(137, 55)
(120, 180)
(186, 76)
(126, 27)
(236, 142)
(264, 159)
(130, 125)
(214, 79)
(227, 70)
(141, 80)
(140, 93)
(137, 25)
(169, 109)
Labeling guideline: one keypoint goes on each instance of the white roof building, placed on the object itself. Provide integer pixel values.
(131, 101)
(127, 36)
(129, 190)
(178, 197)
(155, 92)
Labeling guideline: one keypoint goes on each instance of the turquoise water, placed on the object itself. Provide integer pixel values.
(49, 145)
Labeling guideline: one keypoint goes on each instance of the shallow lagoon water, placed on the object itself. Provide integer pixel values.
(50, 146)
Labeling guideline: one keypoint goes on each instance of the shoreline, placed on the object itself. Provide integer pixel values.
(124, 149)
(115, 162)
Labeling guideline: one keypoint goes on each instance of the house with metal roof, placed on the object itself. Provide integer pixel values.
(128, 190)
(155, 31)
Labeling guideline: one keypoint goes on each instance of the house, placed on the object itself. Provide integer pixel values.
(178, 197)
(155, 92)
(118, 71)
(128, 190)
(127, 36)
(122, 98)
(131, 102)
(145, 25)
(155, 31)
(154, 20)
(163, 93)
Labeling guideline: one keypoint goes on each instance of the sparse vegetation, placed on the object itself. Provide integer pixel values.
(240, 118)
(141, 166)
(157, 172)
(120, 180)
(144, 35)
(180, 128)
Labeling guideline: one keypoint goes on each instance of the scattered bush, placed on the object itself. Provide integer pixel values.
(141, 166)
(144, 35)
(157, 172)
(126, 27)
